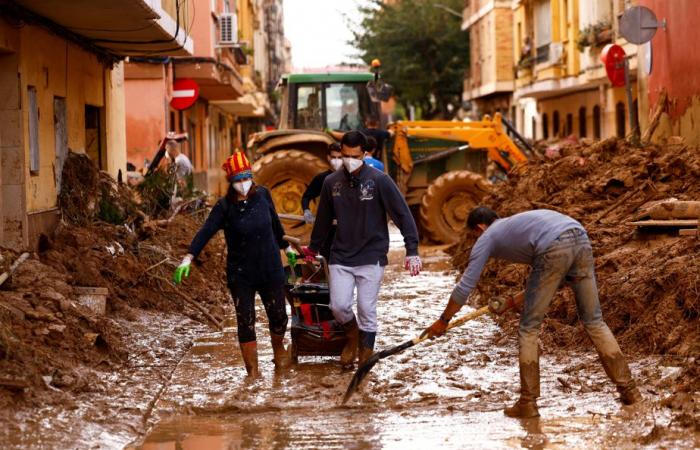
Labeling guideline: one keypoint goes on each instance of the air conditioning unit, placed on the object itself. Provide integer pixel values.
(228, 30)
(556, 52)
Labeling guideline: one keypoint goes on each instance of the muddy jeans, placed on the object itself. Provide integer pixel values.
(569, 259)
(367, 279)
(244, 301)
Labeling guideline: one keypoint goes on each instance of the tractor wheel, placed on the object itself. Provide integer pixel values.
(445, 206)
(287, 173)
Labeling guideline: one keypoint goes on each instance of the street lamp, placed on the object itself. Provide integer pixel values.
(448, 9)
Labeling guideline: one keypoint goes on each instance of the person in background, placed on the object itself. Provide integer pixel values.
(369, 155)
(380, 136)
(254, 237)
(360, 199)
(559, 251)
(182, 165)
(313, 191)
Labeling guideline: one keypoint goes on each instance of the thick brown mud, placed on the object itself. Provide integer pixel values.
(446, 393)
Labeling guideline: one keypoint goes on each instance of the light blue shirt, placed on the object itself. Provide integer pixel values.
(518, 238)
(373, 162)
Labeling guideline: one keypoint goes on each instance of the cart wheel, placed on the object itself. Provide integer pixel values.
(294, 353)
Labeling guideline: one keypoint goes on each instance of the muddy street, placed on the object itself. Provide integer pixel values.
(446, 393)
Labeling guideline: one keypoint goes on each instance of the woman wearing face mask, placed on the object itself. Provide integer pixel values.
(335, 159)
(254, 237)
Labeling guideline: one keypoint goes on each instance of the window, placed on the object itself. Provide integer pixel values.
(543, 29)
(33, 130)
(569, 124)
(172, 125)
(582, 122)
(620, 119)
(347, 106)
(534, 128)
(596, 122)
(555, 124)
(545, 126)
(60, 137)
(309, 112)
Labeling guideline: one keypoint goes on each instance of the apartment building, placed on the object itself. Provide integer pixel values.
(489, 83)
(62, 89)
(231, 67)
(561, 87)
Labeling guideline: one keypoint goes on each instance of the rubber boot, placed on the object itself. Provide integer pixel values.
(249, 351)
(619, 373)
(526, 406)
(281, 357)
(349, 354)
(366, 345)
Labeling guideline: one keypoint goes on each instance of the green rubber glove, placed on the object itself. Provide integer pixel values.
(183, 270)
(291, 257)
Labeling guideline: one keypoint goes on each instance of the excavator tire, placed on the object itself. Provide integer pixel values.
(287, 173)
(445, 206)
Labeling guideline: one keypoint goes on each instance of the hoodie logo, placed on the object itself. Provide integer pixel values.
(367, 190)
(336, 189)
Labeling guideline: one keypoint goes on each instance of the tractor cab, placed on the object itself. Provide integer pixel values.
(337, 101)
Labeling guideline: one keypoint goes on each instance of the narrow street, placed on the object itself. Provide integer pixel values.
(447, 392)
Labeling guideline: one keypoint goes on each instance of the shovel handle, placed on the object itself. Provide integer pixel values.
(455, 323)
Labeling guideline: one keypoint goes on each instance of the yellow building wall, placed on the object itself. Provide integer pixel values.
(57, 68)
(115, 120)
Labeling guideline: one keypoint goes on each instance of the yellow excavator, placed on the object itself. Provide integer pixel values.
(443, 181)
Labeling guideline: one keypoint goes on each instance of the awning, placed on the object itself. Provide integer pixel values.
(123, 27)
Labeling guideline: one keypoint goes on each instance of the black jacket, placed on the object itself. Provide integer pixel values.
(314, 189)
(254, 237)
(361, 204)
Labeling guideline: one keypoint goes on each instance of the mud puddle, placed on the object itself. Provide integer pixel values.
(447, 393)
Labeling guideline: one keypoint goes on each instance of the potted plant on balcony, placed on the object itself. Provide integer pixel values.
(595, 35)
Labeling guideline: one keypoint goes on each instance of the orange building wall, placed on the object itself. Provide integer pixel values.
(675, 55)
(146, 118)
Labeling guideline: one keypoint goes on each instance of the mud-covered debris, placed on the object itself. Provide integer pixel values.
(648, 282)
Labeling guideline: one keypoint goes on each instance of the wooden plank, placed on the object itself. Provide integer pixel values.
(666, 223)
(688, 232)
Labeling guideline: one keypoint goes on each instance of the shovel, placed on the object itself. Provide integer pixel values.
(498, 305)
(364, 369)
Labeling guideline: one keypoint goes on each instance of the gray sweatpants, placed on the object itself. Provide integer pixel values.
(343, 280)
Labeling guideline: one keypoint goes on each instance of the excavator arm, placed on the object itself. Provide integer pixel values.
(485, 135)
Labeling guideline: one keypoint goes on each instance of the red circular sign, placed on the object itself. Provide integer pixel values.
(185, 93)
(613, 57)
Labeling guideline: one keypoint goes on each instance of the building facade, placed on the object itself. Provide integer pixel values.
(232, 75)
(488, 85)
(670, 62)
(561, 87)
(62, 83)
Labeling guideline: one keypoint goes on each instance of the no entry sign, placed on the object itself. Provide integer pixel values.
(185, 93)
(613, 57)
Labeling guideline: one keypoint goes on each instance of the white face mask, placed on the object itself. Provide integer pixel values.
(352, 164)
(242, 187)
(337, 163)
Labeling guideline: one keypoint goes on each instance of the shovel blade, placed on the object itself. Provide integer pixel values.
(360, 375)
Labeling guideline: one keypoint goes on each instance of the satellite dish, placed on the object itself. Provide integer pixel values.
(638, 24)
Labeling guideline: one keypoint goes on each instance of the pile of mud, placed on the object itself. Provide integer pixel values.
(649, 282)
(50, 342)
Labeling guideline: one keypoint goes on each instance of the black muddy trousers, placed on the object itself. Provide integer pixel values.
(244, 300)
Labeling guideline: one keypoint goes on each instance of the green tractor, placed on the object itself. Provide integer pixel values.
(287, 159)
(440, 166)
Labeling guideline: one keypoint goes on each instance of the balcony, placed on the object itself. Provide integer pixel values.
(122, 28)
